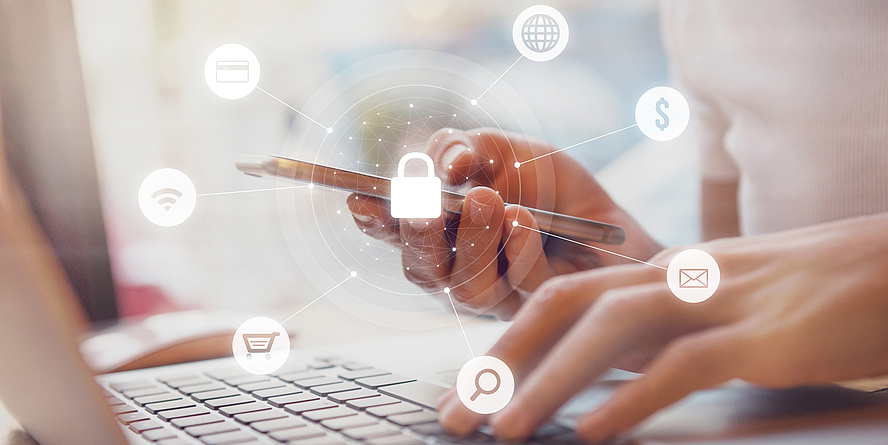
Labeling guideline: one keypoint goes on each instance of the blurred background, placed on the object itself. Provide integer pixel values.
(151, 108)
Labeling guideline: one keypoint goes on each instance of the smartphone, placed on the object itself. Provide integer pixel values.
(566, 226)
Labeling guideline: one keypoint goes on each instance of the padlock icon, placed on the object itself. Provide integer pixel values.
(419, 196)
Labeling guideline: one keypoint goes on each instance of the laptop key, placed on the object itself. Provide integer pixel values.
(211, 428)
(369, 432)
(200, 419)
(221, 374)
(413, 418)
(249, 378)
(303, 407)
(258, 416)
(165, 397)
(299, 375)
(144, 425)
(122, 409)
(326, 440)
(155, 408)
(203, 387)
(230, 411)
(251, 387)
(428, 429)
(129, 418)
(166, 416)
(176, 441)
(369, 402)
(217, 394)
(138, 392)
(187, 381)
(167, 378)
(228, 438)
(345, 396)
(326, 390)
(393, 409)
(280, 401)
(305, 432)
(228, 401)
(362, 373)
(123, 386)
(274, 392)
(403, 439)
(286, 423)
(383, 380)
(341, 423)
(324, 414)
(319, 381)
(320, 365)
(356, 366)
(158, 434)
(421, 393)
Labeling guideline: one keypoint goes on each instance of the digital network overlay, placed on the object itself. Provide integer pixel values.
(485, 384)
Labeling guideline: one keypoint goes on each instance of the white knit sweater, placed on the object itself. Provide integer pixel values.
(791, 101)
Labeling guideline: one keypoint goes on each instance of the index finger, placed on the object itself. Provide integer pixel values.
(483, 156)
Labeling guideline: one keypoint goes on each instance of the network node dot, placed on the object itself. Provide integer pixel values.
(450, 167)
(311, 185)
(446, 290)
(515, 223)
(491, 161)
(474, 101)
(329, 129)
(517, 164)
(453, 249)
(450, 131)
(354, 273)
(411, 105)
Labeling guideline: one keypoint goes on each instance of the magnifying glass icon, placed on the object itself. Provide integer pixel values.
(479, 390)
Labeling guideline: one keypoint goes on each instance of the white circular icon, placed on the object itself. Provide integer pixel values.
(662, 113)
(485, 384)
(540, 33)
(232, 71)
(693, 276)
(167, 197)
(260, 345)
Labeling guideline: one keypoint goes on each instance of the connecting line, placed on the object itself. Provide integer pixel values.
(257, 190)
(353, 274)
(329, 129)
(589, 246)
(475, 101)
(447, 291)
(575, 145)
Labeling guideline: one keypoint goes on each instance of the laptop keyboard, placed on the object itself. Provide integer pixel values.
(327, 402)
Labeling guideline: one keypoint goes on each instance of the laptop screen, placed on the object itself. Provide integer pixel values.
(49, 149)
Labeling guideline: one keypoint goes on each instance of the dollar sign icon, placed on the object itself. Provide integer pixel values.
(661, 104)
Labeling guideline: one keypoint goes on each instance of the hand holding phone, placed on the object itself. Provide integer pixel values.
(474, 248)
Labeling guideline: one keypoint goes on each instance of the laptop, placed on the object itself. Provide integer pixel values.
(56, 281)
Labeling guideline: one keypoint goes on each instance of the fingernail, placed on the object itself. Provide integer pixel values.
(363, 219)
(418, 224)
(480, 212)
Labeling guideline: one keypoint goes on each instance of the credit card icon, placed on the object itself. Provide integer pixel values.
(232, 71)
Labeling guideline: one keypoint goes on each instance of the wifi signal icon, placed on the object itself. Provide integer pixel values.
(166, 197)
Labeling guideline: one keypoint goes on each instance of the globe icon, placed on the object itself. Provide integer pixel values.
(540, 33)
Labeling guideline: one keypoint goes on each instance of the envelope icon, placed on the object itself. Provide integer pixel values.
(693, 278)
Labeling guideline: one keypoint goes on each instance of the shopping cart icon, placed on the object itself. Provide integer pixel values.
(259, 343)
